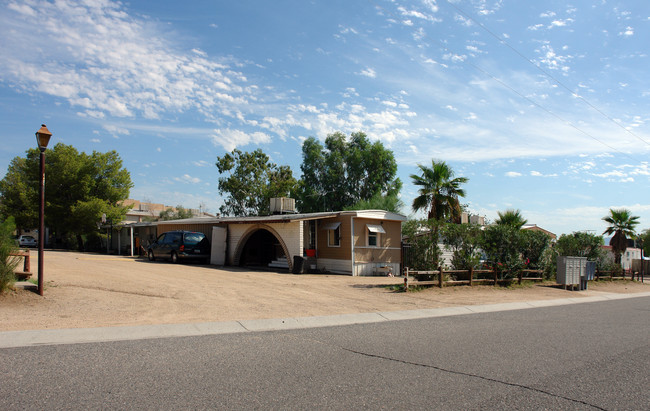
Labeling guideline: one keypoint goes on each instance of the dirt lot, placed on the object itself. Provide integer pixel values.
(90, 290)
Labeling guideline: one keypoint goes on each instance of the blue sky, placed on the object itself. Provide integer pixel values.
(542, 105)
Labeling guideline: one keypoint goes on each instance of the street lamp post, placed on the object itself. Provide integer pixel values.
(43, 136)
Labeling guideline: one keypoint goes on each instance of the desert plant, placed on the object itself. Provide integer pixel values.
(8, 262)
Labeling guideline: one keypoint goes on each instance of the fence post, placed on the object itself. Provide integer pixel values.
(471, 274)
(406, 280)
(441, 278)
(496, 276)
(519, 276)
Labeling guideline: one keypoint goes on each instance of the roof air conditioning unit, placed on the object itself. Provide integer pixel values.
(283, 205)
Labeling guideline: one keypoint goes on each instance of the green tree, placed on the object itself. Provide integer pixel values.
(344, 172)
(621, 224)
(577, 244)
(420, 237)
(534, 244)
(390, 202)
(250, 180)
(8, 263)
(512, 218)
(79, 188)
(179, 214)
(503, 245)
(439, 192)
(644, 240)
(464, 241)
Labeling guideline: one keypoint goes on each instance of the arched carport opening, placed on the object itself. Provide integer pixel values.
(259, 247)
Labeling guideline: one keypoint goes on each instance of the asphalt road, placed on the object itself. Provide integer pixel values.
(583, 356)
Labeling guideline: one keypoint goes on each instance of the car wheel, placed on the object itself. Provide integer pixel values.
(174, 257)
(151, 256)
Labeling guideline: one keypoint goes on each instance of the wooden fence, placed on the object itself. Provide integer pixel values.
(618, 275)
(413, 278)
(26, 272)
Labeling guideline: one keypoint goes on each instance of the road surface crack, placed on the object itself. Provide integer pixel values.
(466, 374)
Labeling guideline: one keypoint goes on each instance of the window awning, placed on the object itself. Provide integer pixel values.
(331, 226)
(375, 228)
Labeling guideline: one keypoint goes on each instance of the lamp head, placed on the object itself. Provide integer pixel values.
(43, 137)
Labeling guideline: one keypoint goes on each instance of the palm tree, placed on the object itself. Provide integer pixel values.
(512, 218)
(621, 224)
(439, 191)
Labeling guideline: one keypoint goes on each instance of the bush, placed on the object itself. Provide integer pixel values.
(8, 262)
(421, 238)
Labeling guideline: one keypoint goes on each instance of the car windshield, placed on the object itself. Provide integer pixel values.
(193, 238)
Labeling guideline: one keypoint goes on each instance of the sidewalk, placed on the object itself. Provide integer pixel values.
(14, 339)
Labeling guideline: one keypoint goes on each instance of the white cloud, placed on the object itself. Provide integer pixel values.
(231, 139)
(186, 178)
(368, 72)
(116, 130)
(538, 174)
(513, 174)
(106, 62)
(628, 32)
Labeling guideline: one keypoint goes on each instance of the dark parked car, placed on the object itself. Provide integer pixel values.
(180, 245)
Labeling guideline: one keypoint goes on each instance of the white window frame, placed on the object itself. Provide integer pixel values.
(374, 230)
(333, 234)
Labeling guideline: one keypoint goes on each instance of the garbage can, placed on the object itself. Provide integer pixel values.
(298, 264)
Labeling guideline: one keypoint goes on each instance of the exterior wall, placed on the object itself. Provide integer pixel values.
(377, 260)
(334, 266)
(341, 252)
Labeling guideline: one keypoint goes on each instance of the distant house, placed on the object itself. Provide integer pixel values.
(364, 242)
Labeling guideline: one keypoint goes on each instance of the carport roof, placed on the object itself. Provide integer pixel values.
(285, 218)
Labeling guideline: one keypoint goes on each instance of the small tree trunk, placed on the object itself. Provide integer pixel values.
(80, 242)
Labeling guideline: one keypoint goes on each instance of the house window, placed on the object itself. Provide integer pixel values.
(372, 239)
(333, 234)
(373, 232)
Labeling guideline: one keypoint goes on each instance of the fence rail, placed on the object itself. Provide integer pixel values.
(26, 272)
(414, 278)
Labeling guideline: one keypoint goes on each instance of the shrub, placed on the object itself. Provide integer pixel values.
(8, 262)
(421, 238)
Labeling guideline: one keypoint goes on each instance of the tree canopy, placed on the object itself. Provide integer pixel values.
(439, 191)
(178, 214)
(345, 172)
(250, 180)
(79, 188)
(512, 218)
